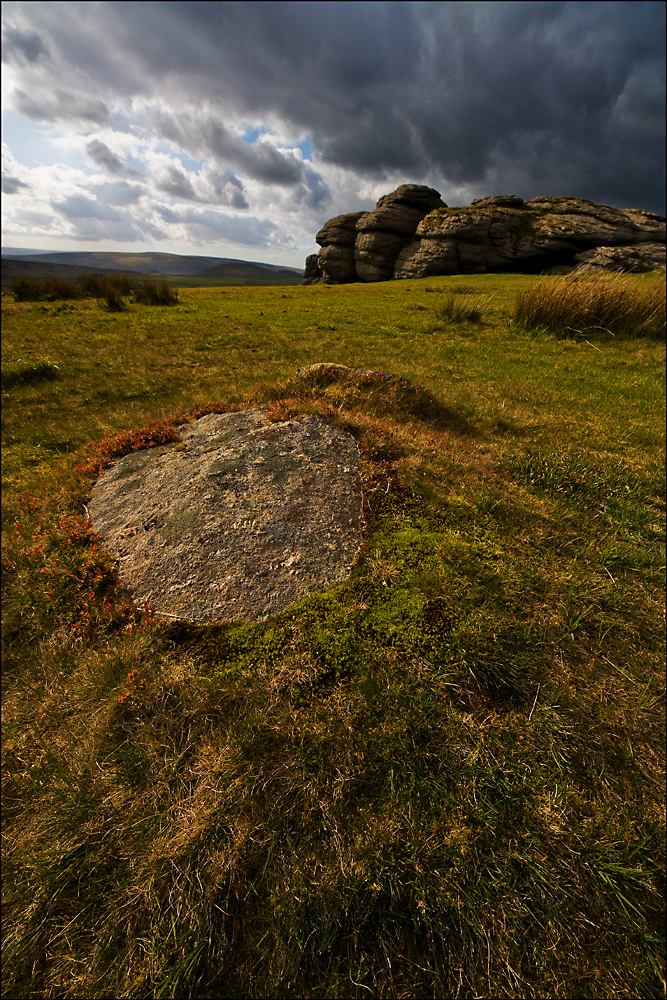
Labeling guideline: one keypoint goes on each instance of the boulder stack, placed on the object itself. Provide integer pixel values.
(413, 234)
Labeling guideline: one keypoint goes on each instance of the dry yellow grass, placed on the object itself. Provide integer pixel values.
(594, 304)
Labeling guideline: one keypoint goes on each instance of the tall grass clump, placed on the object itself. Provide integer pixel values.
(154, 293)
(464, 310)
(109, 290)
(112, 299)
(586, 305)
(98, 286)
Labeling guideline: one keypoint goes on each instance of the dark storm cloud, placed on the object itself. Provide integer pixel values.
(313, 192)
(20, 47)
(175, 182)
(60, 105)
(539, 98)
(201, 136)
(105, 158)
(214, 188)
(226, 188)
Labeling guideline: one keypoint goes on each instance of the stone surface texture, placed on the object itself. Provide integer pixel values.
(312, 271)
(237, 520)
(413, 234)
(363, 246)
(640, 257)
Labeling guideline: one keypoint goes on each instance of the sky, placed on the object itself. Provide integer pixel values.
(238, 129)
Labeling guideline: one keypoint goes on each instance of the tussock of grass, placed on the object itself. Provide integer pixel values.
(594, 304)
(464, 310)
(28, 371)
(155, 293)
(442, 777)
(376, 393)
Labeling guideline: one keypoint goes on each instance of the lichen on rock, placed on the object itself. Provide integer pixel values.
(238, 520)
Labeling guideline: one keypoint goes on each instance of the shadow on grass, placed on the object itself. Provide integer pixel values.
(377, 393)
(28, 372)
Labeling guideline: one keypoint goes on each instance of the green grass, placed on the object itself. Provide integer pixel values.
(442, 777)
(26, 371)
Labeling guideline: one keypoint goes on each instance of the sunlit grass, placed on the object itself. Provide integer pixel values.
(460, 310)
(593, 304)
(443, 777)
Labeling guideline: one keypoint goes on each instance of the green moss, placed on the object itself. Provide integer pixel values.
(223, 466)
(179, 523)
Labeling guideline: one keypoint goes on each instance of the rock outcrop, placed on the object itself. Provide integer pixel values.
(413, 234)
(363, 246)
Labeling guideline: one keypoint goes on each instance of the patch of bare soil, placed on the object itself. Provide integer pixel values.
(237, 520)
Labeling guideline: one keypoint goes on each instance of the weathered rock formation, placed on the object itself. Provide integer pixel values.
(413, 234)
(363, 246)
(238, 520)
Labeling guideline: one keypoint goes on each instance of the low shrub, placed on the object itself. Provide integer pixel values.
(113, 299)
(98, 286)
(109, 290)
(378, 392)
(153, 293)
(586, 305)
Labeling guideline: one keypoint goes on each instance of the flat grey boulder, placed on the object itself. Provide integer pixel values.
(236, 521)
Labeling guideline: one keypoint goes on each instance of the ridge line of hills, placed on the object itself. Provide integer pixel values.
(182, 270)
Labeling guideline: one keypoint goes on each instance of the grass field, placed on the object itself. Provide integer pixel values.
(443, 777)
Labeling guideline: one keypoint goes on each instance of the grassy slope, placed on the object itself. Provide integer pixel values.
(444, 777)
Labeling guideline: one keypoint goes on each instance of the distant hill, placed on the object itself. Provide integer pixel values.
(243, 269)
(13, 268)
(19, 251)
(180, 269)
